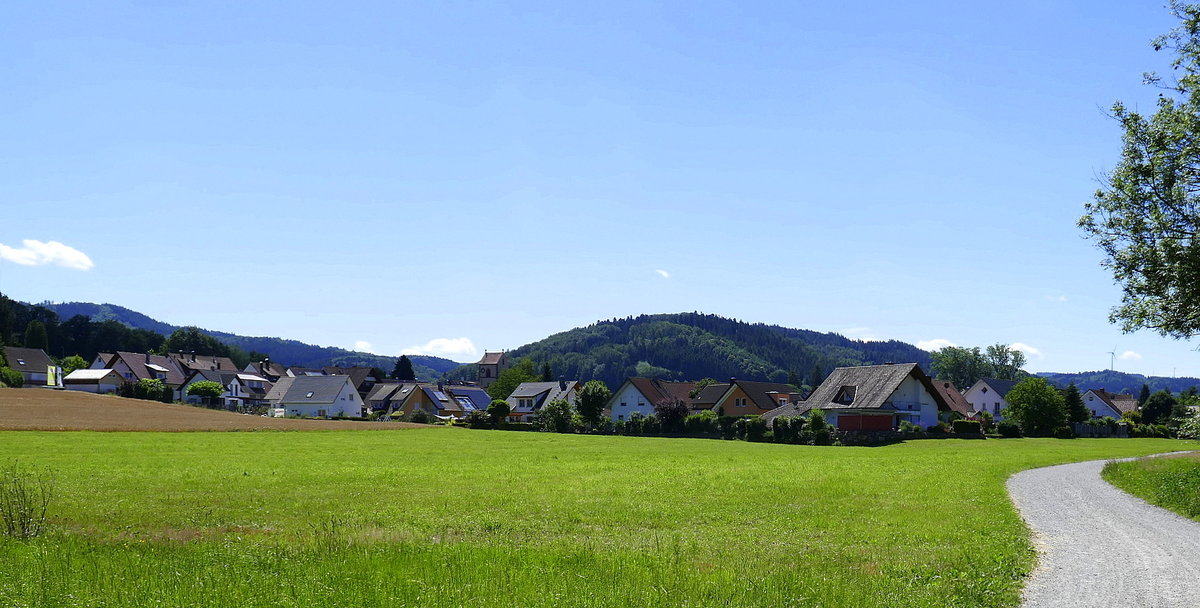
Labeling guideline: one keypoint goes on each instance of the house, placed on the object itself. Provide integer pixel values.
(360, 377)
(987, 395)
(872, 398)
(384, 394)
(750, 398)
(266, 369)
(708, 396)
(1103, 403)
(242, 390)
(314, 396)
(490, 367)
(958, 404)
(33, 363)
(638, 396)
(444, 401)
(189, 362)
(98, 381)
(529, 397)
(140, 366)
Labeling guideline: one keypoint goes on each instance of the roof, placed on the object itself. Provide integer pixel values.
(491, 358)
(138, 364)
(657, 390)
(28, 360)
(272, 369)
(708, 396)
(382, 391)
(323, 389)
(953, 398)
(190, 361)
(479, 397)
(90, 375)
(541, 393)
(872, 386)
(1000, 387)
(358, 375)
(441, 400)
(760, 392)
(1120, 402)
(212, 375)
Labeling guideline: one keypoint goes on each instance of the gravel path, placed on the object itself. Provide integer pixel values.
(1099, 546)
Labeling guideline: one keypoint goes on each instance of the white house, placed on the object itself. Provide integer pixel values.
(241, 389)
(987, 395)
(93, 380)
(314, 396)
(529, 397)
(1103, 403)
(638, 396)
(872, 398)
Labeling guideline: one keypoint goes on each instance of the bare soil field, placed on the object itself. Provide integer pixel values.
(37, 409)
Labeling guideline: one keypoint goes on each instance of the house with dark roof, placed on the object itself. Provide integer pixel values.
(707, 397)
(638, 396)
(33, 363)
(242, 390)
(958, 404)
(360, 377)
(1103, 403)
(751, 398)
(490, 366)
(267, 369)
(529, 397)
(444, 401)
(190, 362)
(140, 366)
(872, 398)
(987, 395)
(314, 396)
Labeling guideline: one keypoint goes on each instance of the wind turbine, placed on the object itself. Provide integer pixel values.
(1112, 358)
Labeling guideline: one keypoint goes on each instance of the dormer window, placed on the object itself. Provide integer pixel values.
(845, 395)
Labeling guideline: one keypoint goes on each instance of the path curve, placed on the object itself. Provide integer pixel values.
(1099, 546)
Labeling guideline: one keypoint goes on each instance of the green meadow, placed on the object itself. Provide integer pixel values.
(450, 517)
(1171, 483)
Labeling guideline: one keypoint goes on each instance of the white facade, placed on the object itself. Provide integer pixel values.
(983, 398)
(914, 403)
(92, 381)
(627, 400)
(347, 403)
(1099, 407)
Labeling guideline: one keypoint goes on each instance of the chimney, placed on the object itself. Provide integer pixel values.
(147, 357)
(439, 386)
(216, 363)
(733, 380)
(562, 383)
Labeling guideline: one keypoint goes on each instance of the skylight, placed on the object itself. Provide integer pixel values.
(310, 394)
(440, 396)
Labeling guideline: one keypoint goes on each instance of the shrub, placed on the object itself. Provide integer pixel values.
(477, 419)
(24, 497)
(1064, 432)
(671, 413)
(1190, 429)
(11, 377)
(420, 416)
(968, 427)
(938, 428)
(556, 417)
(787, 429)
(1131, 416)
(701, 424)
(1008, 429)
(517, 426)
(498, 410)
(751, 428)
(906, 426)
(817, 431)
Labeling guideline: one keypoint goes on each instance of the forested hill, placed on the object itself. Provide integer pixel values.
(1119, 382)
(287, 352)
(690, 346)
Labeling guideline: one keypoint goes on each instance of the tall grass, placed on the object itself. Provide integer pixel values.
(1172, 483)
(25, 495)
(455, 518)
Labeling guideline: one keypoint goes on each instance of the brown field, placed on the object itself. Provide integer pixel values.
(38, 409)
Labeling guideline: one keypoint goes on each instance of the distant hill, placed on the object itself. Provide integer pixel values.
(690, 346)
(1119, 382)
(286, 352)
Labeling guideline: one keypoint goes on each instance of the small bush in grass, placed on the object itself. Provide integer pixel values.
(906, 426)
(701, 424)
(24, 496)
(420, 416)
(1064, 432)
(967, 427)
(477, 419)
(11, 377)
(817, 431)
(1008, 429)
(938, 428)
(787, 429)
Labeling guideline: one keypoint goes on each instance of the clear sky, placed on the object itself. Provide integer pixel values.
(450, 177)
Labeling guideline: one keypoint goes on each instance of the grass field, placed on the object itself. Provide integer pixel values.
(1171, 482)
(451, 517)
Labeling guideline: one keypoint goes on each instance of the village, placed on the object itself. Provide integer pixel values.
(867, 398)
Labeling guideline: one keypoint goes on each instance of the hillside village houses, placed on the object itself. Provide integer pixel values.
(869, 397)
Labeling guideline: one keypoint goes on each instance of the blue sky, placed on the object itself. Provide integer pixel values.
(413, 175)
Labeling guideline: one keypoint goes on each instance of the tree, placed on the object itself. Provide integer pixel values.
(378, 374)
(35, 336)
(1157, 409)
(547, 375)
(1006, 362)
(591, 401)
(192, 340)
(962, 366)
(1144, 395)
(1076, 410)
(695, 392)
(404, 370)
(72, 363)
(207, 389)
(556, 417)
(815, 377)
(511, 378)
(671, 413)
(1147, 210)
(1036, 406)
(498, 410)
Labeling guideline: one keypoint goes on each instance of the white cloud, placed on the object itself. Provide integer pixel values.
(37, 253)
(858, 333)
(1129, 356)
(664, 274)
(934, 344)
(1027, 349)
(1057, 298)
(458, 349)
(365, 347)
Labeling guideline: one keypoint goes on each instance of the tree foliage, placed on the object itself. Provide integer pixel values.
(206, 388)
(35, 336)
(404, 370)
(591, 401)
(1036, 406)
(498, 410)
(1158, 408)
(671, 412)
(1076, 410)
(556, 417)
(1146, 214)
(509, 379)
(965, 366)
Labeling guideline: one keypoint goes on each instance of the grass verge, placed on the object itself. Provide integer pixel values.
(1171, 482)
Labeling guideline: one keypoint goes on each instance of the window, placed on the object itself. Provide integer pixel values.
(641, 404)
(997, 409)
(623, 404)
(20, 362)
(321, 413)
(309, 395)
